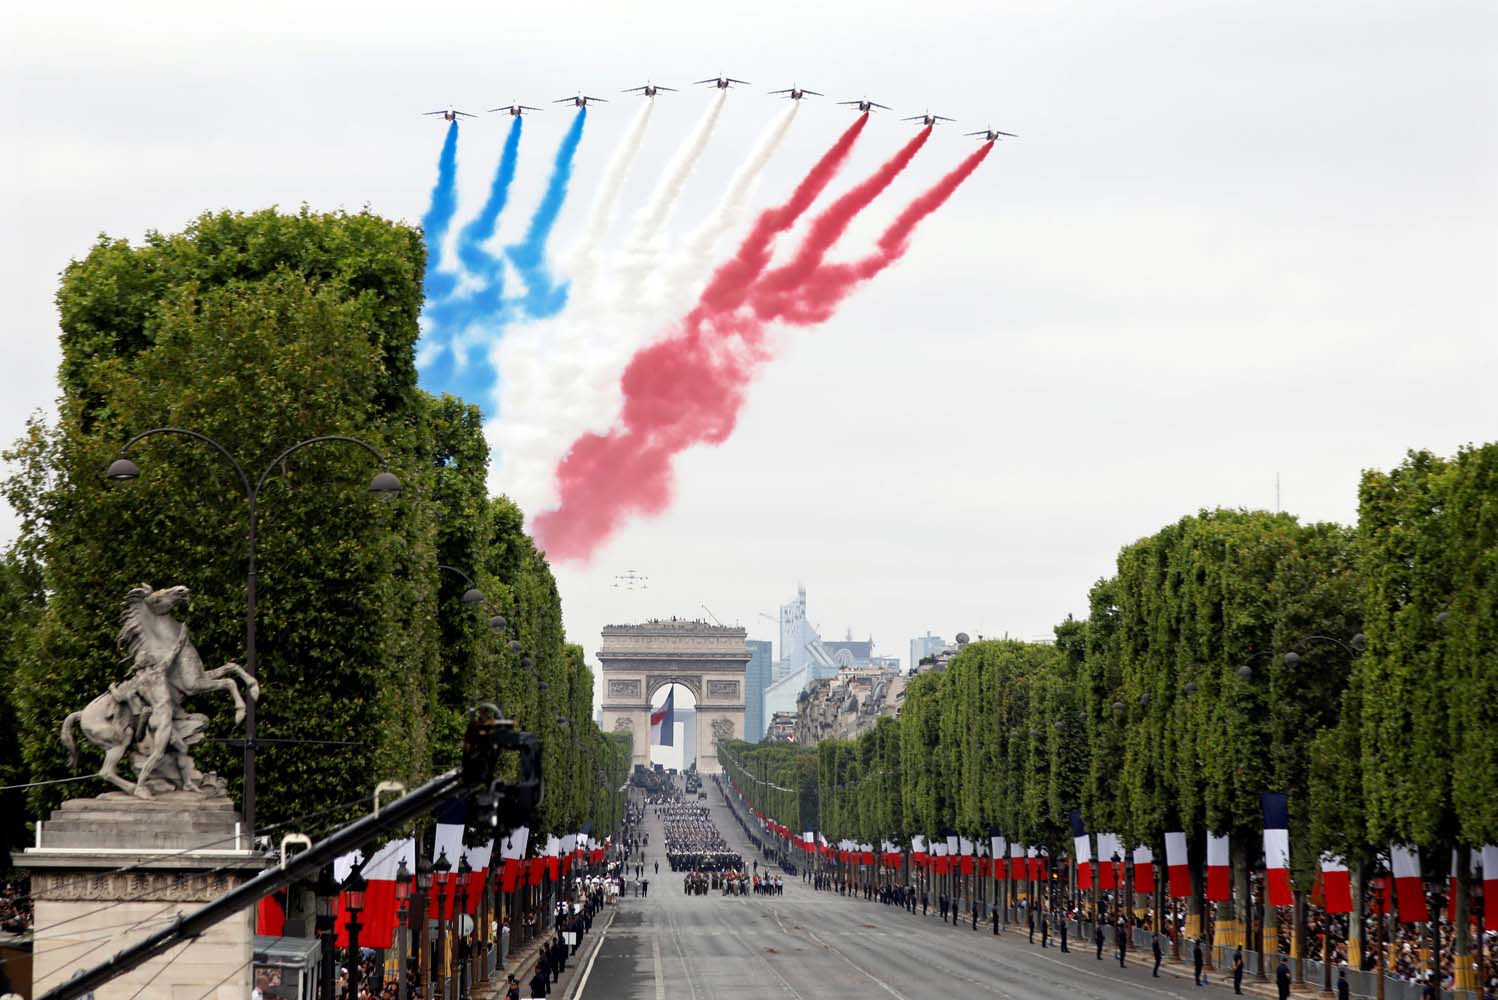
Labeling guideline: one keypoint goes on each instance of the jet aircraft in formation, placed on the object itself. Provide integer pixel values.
(866, 105)
(649, 90)
(795, 93)
(928, 119)
(515, 110)
(721, 82)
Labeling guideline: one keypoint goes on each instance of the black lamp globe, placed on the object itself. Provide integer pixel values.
(385, 485)
(122, 470)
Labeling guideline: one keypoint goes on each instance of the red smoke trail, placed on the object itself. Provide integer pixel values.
(815, 299)
(828, 227)
(688, 389)
(730, 283)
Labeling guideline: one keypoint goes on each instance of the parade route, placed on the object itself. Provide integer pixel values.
(809, 945)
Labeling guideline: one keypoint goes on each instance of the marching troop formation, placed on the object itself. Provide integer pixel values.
(693, 843)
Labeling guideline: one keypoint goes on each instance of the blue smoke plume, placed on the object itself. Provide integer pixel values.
(457, 313)
(436, 284)
(543, 297)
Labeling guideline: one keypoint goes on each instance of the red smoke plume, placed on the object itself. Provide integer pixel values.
(688, 389)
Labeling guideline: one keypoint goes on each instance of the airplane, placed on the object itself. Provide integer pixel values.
(928, 119)
(515, 110)
(580, 101)
(992, 135)
(796, 93)
(864, 104)
(721, 82)
(450, 115)
(649, 90)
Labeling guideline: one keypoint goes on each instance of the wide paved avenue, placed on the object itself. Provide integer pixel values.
(820, 946)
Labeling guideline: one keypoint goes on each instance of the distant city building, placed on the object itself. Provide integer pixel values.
(781, 695)
(848, 705)
(757, 677)
(924, 646)
(782, 727)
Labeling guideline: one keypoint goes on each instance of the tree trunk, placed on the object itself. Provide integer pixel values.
(1355, 932)
(1461, 905)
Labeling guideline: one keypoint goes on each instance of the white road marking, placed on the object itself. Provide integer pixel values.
(660, 979)
(582, 982)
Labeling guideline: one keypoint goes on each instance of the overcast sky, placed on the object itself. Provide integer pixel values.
(1235, 241)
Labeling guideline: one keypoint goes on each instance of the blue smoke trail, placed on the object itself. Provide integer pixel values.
(543, 297)
(457, 313)
(437, 284)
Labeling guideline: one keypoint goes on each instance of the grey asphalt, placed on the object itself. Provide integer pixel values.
(820, 946)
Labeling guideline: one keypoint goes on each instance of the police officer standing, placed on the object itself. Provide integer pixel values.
(1030, 918)
(1238, 970)
(1282, 980)
(1064, 922)
(1098, 936)
(1197, 959)
(1045, 931)
(1344, 991)
(1158, 952)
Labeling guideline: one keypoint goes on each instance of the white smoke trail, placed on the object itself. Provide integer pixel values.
(733, 207)
(584, 262)
(548, 369)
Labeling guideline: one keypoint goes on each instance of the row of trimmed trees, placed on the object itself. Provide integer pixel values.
(1232, 653)
(262, 330)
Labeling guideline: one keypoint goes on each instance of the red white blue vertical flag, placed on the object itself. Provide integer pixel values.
(447, 842)
(1017, 861)
(1081, 851)
(918, 849)
(1219, 869)
(1490, 886)
(1107, 848)
(965, 851)
(1336, 884)
(1144, 870)
(1277, 848)
(1178, 864)
(1000, 849)
(1405, 864)
(663, 722)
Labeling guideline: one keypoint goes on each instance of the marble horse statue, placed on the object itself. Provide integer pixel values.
(143, 715)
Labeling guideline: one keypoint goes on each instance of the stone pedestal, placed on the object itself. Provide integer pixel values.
(111, 870)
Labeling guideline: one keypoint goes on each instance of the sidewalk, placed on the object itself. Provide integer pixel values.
(522, 963)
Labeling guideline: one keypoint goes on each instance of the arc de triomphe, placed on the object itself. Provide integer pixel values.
(708, 660)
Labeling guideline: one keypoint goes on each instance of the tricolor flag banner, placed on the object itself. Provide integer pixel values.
(511, 851)
(1336, 884)
(809, 841)
(447, 843)
(663, 722)
(1177, 864)
(1490, 886)
(1081, 851)
(1107, 847)
(270, 914)
(1219, 869)
(1405, 864)
(1037, 864)
(939, 856)
(952, 845)
(342, 866)
(553, 854)
(1277, 848)
(1144, 870)
(918, 850)
(566, 850)
(1000, 850)
(478, 860)
(1017, 862)
(868, 855)
(965, 850)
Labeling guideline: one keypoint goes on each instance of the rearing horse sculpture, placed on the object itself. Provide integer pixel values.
(144, 712)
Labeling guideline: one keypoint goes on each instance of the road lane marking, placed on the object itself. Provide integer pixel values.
(655, 955)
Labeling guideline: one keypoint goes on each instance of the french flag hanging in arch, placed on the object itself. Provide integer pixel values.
(663, 722)
(1277, 848)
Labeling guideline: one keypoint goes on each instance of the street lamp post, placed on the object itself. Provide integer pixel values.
(441, 869)
(423, 934)
(326, 890)
(460, 947)
(384, 485)
(403, 903)
(353, 901)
